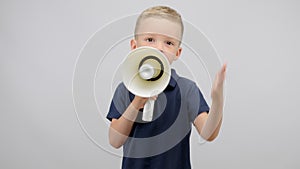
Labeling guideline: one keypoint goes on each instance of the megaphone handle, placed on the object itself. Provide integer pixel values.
(148, 110)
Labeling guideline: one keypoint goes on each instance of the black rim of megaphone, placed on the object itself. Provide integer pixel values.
(161, 66)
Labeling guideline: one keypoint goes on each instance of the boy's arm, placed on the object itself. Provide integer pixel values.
(120, 128)
(208, 125)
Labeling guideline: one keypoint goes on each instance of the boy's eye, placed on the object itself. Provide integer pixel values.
(149, 39)
(170, 43)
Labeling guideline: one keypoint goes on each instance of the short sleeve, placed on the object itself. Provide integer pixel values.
(196, 103)
(119, 103)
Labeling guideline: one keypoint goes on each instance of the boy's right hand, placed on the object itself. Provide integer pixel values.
(139, 102)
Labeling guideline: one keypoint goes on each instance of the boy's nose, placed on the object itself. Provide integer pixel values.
(160, 46)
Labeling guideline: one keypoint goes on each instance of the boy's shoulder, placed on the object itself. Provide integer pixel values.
(182, 80)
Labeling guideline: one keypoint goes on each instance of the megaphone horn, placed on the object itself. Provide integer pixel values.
(146, 73)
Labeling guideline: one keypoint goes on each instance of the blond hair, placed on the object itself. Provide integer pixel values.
(160, 11)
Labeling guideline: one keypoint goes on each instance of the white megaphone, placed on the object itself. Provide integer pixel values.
(146, 72)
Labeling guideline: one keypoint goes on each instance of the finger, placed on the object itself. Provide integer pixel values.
(224, 67)
(222, 72)
(154, 97)
(220, 77)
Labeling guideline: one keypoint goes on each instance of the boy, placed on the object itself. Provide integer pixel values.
(163, 143)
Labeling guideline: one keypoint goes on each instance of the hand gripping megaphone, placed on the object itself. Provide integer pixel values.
(146, 72)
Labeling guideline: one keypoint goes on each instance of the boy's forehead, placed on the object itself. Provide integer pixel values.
(160, 26)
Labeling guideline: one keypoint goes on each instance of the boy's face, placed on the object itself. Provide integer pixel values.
(161, 34)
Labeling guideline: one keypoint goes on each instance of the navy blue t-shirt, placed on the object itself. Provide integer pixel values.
(164, 142)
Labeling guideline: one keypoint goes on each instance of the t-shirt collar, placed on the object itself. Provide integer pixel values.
(173, 79)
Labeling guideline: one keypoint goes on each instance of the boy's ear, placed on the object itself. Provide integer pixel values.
(178, 53)
(133, 44)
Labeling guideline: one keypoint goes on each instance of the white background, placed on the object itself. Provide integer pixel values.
(41, 40)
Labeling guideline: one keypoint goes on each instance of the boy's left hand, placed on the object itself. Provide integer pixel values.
(217, 88)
